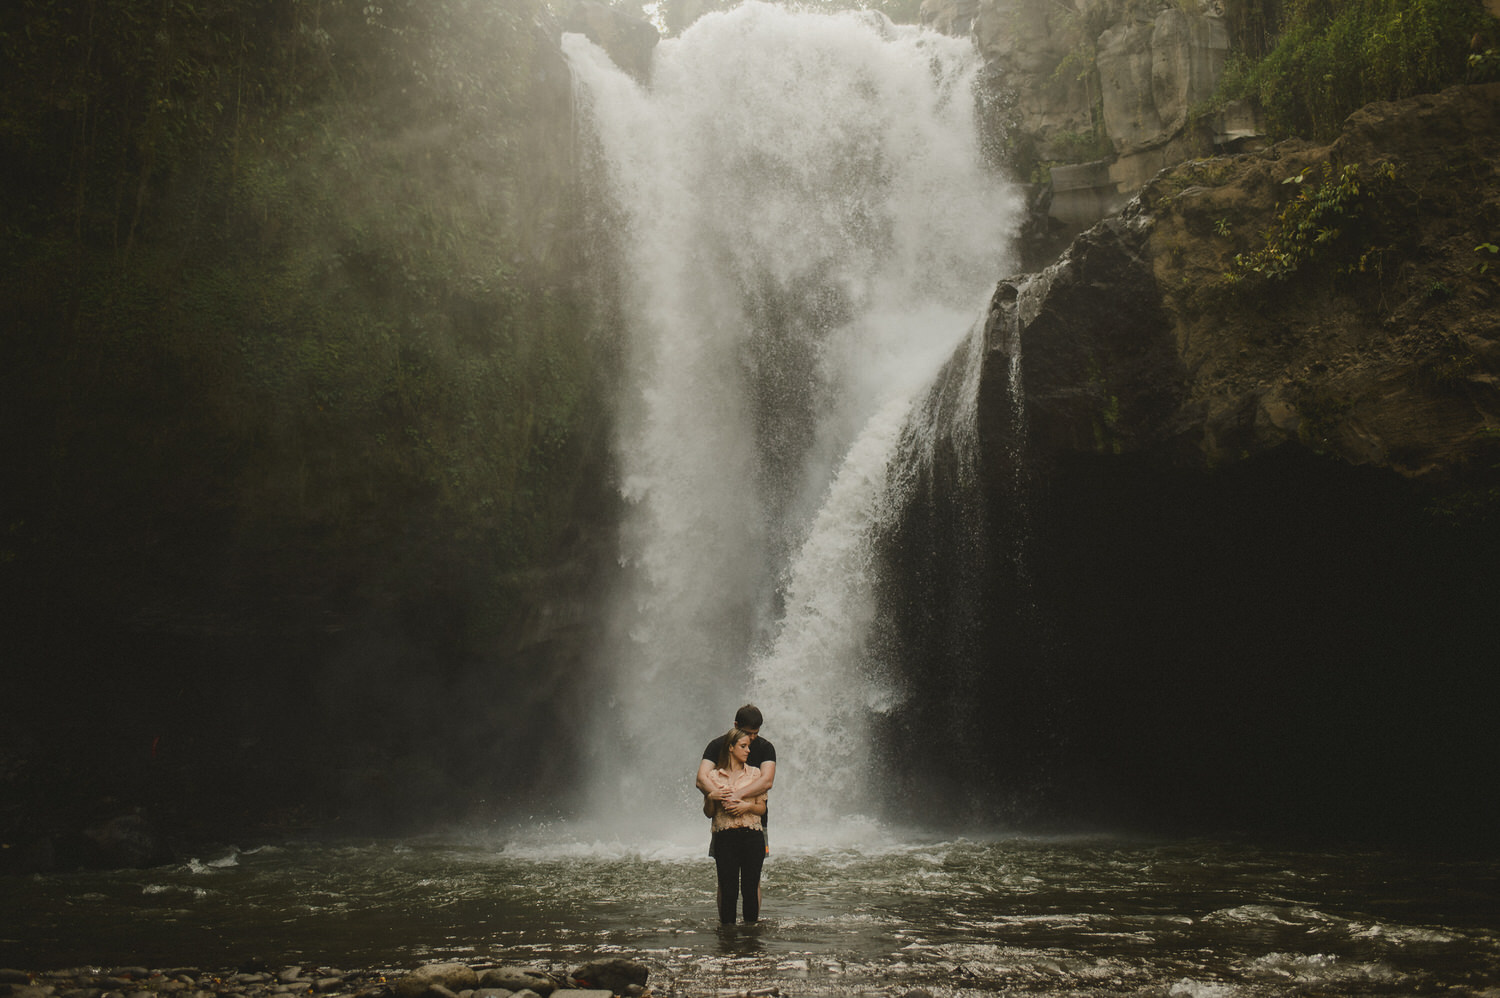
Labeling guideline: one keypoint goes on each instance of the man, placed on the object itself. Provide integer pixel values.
(762, 754)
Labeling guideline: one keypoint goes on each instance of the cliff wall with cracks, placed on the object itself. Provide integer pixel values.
(1103, 91)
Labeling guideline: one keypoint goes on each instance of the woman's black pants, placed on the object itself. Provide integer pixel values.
(739, 854)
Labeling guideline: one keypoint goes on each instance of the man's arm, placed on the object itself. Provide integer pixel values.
(704, 783)
(762, 783)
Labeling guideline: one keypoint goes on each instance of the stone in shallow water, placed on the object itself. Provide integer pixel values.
(614, 975)
(454, 976)
(518, 979)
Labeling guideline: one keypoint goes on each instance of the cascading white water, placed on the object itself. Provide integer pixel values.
(806, 230)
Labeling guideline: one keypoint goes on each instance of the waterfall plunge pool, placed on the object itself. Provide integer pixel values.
(870, 914)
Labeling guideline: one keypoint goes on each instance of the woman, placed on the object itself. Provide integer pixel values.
(739, 841)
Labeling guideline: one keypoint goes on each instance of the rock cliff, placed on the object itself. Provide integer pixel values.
(1379, 349)
(1103, 87)
(1239, 549)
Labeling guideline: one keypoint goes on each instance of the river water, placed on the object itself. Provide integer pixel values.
(876, 913)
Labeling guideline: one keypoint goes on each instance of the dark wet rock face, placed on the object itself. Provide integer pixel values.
(1242, 523)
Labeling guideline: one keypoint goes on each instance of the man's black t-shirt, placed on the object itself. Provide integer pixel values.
(761, 751)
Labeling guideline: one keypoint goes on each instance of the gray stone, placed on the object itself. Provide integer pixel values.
(518, 979)
(289, 975)
(454, 977)
(614, 975)
(1144, 64)
(627, 39)
(29, 991)
(1083, 193)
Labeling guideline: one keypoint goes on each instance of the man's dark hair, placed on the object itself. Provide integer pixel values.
(748, 717)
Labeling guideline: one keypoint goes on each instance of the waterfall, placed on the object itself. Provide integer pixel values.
(804, 230)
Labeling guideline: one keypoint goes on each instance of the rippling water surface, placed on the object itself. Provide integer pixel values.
(1020, 915)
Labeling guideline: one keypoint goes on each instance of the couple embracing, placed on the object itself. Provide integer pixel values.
(735, 775)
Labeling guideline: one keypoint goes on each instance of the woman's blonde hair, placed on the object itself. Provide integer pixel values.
(730, 740)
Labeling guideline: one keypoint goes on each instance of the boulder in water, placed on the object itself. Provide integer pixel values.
(518, 979)
(454, 977)
(617, 975)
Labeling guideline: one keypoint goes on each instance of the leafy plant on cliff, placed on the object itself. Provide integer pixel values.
(1482, 249)
(1334, 56)
(1325, 217)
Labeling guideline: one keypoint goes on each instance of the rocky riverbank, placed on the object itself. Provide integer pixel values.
(603, 978)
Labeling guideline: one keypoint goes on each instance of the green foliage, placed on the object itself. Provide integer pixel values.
(1483, 265)
(1324, 217)
(1081, 147)
(1253, 25)
(1321, 415)
(1484, 67)
(1450, 369)
(1466, 508)
(300, 274)
(1331, 58)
